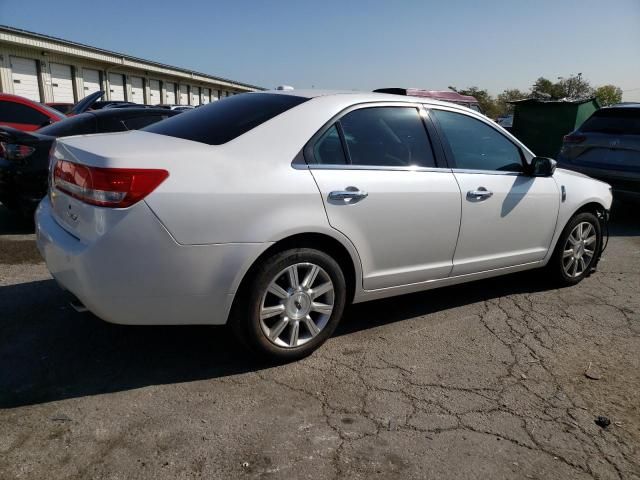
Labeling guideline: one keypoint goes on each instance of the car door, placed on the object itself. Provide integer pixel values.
(382, 188)
(508, 216)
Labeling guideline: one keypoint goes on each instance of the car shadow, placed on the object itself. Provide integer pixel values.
(13, 224)
(625, 219)
(50, 352)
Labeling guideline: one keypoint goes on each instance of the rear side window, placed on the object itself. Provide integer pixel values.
(12, 112)
(219, 122)
(619, 121)
(77, 125)
(475, 145)
(328, 149)
(377, 136)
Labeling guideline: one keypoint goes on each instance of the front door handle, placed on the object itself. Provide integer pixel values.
(350, 193)
(479, 193)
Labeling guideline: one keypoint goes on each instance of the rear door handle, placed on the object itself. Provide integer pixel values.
(479, 193)
(350, 193)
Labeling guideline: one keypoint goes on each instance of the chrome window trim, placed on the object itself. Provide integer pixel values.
(299, 166)
(487, 172)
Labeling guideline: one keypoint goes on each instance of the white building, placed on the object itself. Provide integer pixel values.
(48, 69)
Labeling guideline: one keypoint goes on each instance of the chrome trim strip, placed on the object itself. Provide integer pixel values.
(486, 172)
(370, 167)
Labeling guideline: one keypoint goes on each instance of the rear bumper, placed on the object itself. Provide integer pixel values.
(137, 274)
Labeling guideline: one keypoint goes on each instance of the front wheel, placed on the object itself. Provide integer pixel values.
(577, 250)
(291, 304)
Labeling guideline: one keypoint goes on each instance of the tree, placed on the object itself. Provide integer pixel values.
(487, 103)
(573, 86)
(509, 95)
(608, 95)
(543, 87)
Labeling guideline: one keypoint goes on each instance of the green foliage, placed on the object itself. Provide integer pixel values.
(573, 86)
(509, 95)
(608, 95)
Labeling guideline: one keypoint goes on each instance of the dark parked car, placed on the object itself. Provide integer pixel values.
(607, 147)
(61, 107)
(24, 157)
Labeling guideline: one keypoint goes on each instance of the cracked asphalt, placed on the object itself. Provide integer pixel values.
(484, 380)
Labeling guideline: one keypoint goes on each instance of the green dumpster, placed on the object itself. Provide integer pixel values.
(541, 124)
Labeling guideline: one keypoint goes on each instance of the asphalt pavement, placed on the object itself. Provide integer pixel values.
(503, 378)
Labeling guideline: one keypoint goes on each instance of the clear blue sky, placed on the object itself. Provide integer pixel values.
(494, 44)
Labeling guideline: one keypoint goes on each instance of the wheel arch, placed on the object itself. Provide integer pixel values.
(340, 249)
(591, 206)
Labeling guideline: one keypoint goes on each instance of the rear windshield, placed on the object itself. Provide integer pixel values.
(224, 120)
(621, 121)
(77, 125)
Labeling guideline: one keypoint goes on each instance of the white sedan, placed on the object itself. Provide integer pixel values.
(271, 211)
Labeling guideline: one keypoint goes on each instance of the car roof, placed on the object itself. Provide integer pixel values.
(362, 97)
(624, 105)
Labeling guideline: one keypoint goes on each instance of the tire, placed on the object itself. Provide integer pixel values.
(571, 268)
(274, 300)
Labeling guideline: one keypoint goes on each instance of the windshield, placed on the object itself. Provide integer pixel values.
(224, 120)
(620, 121)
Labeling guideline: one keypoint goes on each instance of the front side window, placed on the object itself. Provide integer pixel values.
(475, 145)
(377, 136)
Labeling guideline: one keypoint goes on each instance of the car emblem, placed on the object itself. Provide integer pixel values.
(614, 143)
(72, 215)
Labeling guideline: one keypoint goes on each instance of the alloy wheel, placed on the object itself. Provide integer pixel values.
(297, 305)
(579, 249)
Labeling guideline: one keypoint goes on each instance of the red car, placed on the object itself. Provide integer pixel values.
(24, 114)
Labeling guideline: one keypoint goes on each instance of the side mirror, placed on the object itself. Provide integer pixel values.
(542, 167)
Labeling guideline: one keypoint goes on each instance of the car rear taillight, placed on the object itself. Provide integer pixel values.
(106, 187)
(573, 138)
(13, 151)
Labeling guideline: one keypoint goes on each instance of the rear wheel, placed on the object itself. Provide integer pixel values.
(291, 305)
(577, 249)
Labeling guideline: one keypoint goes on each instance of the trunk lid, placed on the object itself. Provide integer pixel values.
(125, 150)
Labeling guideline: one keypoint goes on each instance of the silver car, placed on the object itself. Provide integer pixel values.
(271, 211)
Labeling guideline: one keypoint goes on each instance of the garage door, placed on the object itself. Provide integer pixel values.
(61, 83)
(195, 96)
(137, 90)
(170, 93)
(24, 75)
(154, 92)
(184, 95)
(206, 96)
(116, 86)
(90, 81)
(215, 95)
